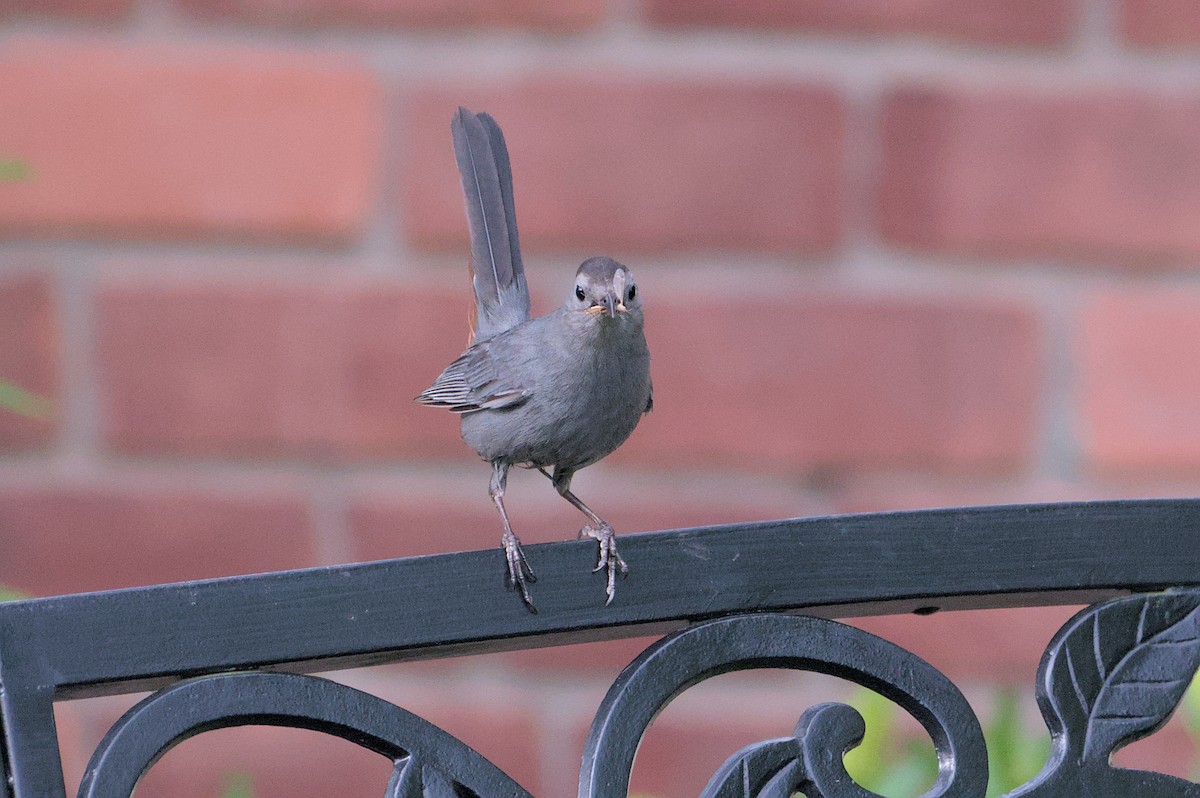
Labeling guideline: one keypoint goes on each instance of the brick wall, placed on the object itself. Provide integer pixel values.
(894, 255)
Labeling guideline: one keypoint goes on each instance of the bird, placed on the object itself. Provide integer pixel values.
(557, 392)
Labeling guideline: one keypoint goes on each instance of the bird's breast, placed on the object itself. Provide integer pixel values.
(586, 395)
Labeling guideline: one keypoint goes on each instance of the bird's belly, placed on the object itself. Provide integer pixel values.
(570, 433)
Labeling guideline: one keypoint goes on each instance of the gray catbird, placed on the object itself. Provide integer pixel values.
(556, 392)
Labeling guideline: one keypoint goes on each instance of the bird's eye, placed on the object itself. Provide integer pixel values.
(579, 293)
(632, 292)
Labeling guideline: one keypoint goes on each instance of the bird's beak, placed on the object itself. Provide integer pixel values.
(610, 305)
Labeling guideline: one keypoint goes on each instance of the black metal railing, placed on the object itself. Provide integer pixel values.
(230, 652)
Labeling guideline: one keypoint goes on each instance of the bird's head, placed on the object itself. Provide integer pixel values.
(604, 288)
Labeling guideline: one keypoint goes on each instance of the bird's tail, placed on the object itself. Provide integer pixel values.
(501, 295)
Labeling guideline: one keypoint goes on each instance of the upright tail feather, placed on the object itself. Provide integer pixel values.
(504, 172)
(501, 295)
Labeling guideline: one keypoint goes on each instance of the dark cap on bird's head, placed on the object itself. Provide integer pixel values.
(604, 286)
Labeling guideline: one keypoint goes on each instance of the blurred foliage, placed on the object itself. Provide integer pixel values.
(1014, 755)
(11, 594)
(1189, 713)
(23, 402)
(12, 170)
(888, 762)
(898, 765)
(237, 785)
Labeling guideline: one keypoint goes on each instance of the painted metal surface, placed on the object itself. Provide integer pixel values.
(732, 598)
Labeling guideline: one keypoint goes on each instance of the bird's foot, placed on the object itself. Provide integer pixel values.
(610, 561)
(520, 575)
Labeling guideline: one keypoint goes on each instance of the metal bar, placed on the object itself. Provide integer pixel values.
(31, 751)
(448, 604)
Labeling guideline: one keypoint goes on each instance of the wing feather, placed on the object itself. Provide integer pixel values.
(471, 383)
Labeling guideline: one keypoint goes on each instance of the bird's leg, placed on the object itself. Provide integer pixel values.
(599, 529)
(519, 572)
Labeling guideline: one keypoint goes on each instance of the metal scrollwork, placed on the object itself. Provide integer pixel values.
(428, 762)
(1112, 675)
(811, 760)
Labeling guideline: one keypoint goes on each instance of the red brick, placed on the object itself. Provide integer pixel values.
(1000, 646)
(620, 164)
(1140, 381)
(298, 369)
(1019, 22)
(494, 716)
(1161, 23)
(697, 732)
(28, 361)
(410, 520)
(604, 660)
(678, 759)
(1173, 750)
(811, 383)
(1101, 174)
(329, 370)
(277, 761)
(888, 491)
(572, 15)
(74, 743)
(83, 9)
(74, 538)
(157, 140)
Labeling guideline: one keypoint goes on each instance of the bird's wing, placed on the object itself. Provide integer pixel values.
(501, 295)
(649, 400)
(473, 382)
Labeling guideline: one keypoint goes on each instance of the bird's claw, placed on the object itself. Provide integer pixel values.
(520, 575)
(610, 560)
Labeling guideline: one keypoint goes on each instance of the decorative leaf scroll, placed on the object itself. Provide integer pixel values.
(1145, 686)
(1118, 670)
(429, 763)
(1114, 674)
(768, 769)
(811, 760)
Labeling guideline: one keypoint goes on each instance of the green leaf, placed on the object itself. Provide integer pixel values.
(25, 403)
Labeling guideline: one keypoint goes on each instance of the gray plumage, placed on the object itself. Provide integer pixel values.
(498, 276)
(557, 392)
